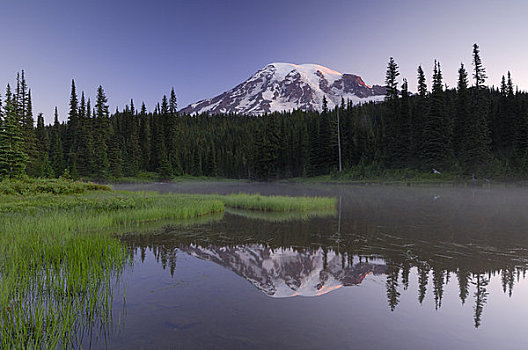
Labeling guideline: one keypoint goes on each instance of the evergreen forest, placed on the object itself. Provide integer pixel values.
(471, 130)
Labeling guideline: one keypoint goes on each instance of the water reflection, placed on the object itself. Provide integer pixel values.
(285, 272)
(433, 268)
(321, 255)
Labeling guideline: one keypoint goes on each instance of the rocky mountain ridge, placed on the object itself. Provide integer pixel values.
(285, 86)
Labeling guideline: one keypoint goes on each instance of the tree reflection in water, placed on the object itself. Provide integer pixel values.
(341, 254)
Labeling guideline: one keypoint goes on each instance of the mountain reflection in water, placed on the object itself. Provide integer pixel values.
(297, 259)
(435, 267)
(284, 272)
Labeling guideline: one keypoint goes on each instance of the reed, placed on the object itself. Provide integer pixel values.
(58, 259)
(60, 254)
(277, 203)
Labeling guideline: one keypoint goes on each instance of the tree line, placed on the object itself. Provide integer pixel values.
(472, 129)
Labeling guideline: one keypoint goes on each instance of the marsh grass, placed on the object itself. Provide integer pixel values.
(277, 203)
(281, 216)
(60, 254)
(58, 260)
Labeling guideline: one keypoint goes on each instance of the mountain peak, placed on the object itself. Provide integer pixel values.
(281, 86)
(308, 69)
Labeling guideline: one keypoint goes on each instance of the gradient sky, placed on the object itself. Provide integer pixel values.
(140, 49)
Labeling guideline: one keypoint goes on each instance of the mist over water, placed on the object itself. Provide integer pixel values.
(393, 267)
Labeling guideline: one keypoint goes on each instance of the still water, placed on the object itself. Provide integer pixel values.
(389, 268)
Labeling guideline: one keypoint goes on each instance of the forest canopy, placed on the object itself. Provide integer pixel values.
(471, 130)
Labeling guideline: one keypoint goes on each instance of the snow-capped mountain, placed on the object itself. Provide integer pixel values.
(287, 86)
(285, 272)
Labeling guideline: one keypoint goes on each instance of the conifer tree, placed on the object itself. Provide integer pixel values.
(30, 141)
(479, 72)
(43, 166)
(24, 112)
(509, 121)
(101, 134)
(391, 83)
(71, 144)
(145, 137)
(56, 147)
(173, 105)
(85, 152)
(509, 86)
(172, 135)
(405, 125)
(159, 158)
(476, 154)
(462, 120)
(422, 86)
(418, 117)
(435, 151)
(164, 106)
(12, 156)
(396, 122)
(501, 139)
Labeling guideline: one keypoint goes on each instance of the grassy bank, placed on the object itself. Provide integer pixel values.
(59, 252)
(276, 203)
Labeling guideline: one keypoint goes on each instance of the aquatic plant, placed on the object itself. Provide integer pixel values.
(277, 203)
(60, 254)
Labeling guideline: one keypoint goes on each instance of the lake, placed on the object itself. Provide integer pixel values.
(390, 268)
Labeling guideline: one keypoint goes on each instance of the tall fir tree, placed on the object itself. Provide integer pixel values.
(43, 166)
(476, 153)
(391, 82)
(85, 163)
(12, 155)
(479, 72)
(419, 115)
(462, 119)
(391, 117)
(71, 142)
(24, 111)
(172, 135)
(435, 151)
(145, 137)
(101, 134)
(404, 126)
(56, 147)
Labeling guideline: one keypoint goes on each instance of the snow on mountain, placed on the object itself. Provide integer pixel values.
(285, 272)
(287, 86)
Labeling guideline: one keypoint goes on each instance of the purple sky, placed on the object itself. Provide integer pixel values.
(140, 49)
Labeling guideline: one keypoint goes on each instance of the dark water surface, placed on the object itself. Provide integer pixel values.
(390, 268)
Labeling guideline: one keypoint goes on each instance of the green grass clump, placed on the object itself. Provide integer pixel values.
(277, 203)
(283, 216)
